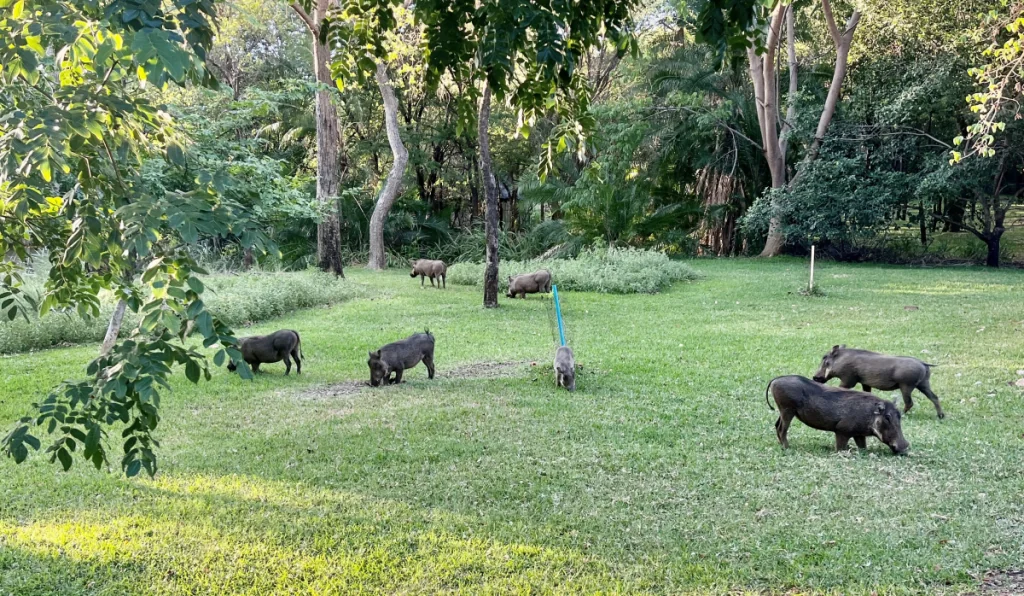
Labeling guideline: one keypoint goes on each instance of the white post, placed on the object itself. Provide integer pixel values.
(810, 287)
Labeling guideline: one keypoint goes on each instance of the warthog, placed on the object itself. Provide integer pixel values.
(848, 413)
(266, 349)
(879, 371)
(400, 355)
(433, 269)
(529, 283)
(565, 368)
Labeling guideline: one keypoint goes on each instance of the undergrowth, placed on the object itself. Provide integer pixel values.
(611, 271)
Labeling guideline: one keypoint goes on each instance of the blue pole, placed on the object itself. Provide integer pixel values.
(558, 315)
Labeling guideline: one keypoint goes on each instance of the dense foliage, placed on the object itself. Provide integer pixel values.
(673, 158)
(78, 122)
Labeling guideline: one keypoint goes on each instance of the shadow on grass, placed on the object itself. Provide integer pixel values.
(231, 534)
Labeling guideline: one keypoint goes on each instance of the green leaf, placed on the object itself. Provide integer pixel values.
(32, 441)
(44, 170)
(65, 458)
(175, 155)
(133, 469)
(171, 322)
(18, 9)
(219, 358)
(196, 285)
(192, 371)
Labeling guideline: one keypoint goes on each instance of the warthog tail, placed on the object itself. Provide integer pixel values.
(766, 394)
(427, 331)
(929, 365)
(298, 345)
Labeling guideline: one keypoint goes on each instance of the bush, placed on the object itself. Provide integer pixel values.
(613, 271)
(238, 300)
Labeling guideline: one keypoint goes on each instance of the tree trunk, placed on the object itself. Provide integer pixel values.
(378, 258)
(992, 260)
(328, 143)
(491, 199)
(248, 259)
(924, 225)
(762, 72)
(766, 93)
(328, 167)
(955, 213)
(114, 329)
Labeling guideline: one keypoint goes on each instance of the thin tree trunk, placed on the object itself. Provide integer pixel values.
(378, 258)
(842, 41)
(491, 196)
(924, 225)
(762, 71)
(794, 86)
(328, 143)
(114, 328)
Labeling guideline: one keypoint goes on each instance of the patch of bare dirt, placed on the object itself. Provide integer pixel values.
(1002, 583)
(476, 370)
(486, 370)
(343, 389)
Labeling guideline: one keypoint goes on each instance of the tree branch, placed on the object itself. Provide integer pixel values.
(851, 24)
(793, 83)
(969, 228)
(833, 30)
(313, 27)
(720, 123)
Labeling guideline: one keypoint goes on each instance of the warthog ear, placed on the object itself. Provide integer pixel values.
(374, 355)
(837, 348)
(880, 409)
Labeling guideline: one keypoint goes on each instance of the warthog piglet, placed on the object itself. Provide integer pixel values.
(565, 368)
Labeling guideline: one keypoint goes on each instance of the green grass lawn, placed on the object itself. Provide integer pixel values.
(661, 474)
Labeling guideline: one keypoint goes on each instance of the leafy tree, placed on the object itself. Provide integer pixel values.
(329, 155)
(995, 185)
(406, 38)
(528, 54)
(1001, 79)
(76, 126)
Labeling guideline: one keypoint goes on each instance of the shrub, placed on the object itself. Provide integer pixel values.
(238, 300)
(613, 271)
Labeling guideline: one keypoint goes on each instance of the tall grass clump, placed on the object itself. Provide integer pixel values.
(612, 271)
(238, 300)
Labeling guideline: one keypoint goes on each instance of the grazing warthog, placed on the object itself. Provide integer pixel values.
(848, 413)
(879, 371)
(266, 349)
(433, 269)
(565, 368)
(400, 355)
(529, 283)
